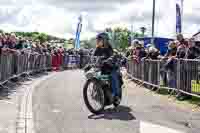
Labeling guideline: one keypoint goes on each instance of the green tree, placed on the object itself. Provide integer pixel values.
(120, 38)
(42, 37)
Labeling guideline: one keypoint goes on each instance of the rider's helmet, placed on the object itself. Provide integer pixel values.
(104, 38)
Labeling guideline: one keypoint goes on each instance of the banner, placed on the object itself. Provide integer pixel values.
(78, 32)
(178, 19)
(179, 14)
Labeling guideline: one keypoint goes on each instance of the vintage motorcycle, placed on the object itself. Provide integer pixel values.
(98, 83)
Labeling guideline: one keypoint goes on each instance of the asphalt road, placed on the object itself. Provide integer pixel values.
(58, 107)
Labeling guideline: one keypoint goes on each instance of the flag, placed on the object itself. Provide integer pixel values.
(179, 14)
(178, 19)
(78, 32)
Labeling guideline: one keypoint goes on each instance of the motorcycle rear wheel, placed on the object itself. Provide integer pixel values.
(100, 93)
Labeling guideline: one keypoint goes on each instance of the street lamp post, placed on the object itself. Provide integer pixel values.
(182, 2)
(153, 22)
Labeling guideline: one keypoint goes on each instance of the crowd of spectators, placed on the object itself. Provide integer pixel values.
(180, 48)
(10, 43)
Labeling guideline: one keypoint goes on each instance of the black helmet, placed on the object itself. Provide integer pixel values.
(103, 36)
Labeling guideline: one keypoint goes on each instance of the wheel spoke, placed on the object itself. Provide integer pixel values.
(95, 96)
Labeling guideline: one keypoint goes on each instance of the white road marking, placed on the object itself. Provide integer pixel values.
(56, 111)
(147, 127)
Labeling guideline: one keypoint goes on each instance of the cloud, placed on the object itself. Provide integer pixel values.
(59, 17)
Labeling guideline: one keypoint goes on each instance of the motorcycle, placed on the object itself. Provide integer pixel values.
(99, 81)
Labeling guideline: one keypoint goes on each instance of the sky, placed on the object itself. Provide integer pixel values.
(60, 17)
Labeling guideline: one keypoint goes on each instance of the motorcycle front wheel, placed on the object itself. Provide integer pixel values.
(95, 101)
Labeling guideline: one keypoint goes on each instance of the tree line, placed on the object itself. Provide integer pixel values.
(120, 38)
(43, 37)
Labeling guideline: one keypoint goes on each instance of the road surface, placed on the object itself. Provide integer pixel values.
(58, 107)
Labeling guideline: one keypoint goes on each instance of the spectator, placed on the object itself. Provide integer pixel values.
(4, 39)
(182, 46)
(11, 41)
(170, 65)
(48, 46)
(142, 52)
(152, 52)
(20, 44)
(38, 48)
(55, 60)
(181, 40)
(172, 49)
(44, 48)
(193, 51)
(181, 54)
(27, 44)
(1, 43)
(81, 53)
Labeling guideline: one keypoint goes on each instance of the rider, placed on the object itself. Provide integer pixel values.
(103, 48)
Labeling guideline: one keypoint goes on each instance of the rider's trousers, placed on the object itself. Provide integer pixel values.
(115, 83)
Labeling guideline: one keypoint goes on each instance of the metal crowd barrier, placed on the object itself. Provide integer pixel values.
(71, 61)
(183, 75)
(16, 64)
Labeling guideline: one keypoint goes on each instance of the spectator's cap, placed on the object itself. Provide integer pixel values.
(152, 49)
(135, 42)
(149, 45)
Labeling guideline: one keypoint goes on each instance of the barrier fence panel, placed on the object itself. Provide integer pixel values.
(12, 64)
(48, 61)
(189, 76)
(73, 61)
(179, 75)
(16, 63)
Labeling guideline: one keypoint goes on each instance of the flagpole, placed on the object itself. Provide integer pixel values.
(78, 32)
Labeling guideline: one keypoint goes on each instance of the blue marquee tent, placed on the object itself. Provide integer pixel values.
(160, 43)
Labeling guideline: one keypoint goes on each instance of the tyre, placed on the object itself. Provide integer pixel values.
(97, 96)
